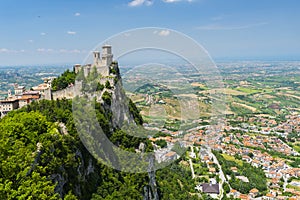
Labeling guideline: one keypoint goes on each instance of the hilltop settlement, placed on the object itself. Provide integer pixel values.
(21, 97)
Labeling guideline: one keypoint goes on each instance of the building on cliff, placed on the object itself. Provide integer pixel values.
(102, 62)
(22, 97)
(19, 100)
(106, 68)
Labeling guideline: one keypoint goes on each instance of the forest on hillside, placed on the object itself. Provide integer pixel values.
(39, 159)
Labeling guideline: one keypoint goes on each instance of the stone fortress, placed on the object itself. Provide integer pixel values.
(101, 62)
(105, 67)
(104, 64)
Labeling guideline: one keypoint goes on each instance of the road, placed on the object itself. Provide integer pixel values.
(221, 173)
(192, 168)
(191, 163)
(285, 183)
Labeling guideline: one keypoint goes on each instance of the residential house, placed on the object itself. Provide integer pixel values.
(210, 188)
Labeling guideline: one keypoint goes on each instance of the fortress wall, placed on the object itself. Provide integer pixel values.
(69, 92)
(110, 79)
(103, 70)
(47, 94)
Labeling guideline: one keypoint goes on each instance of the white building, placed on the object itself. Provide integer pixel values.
(8, 105)
(19, 89)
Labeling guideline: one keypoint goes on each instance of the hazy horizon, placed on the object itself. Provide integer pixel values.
(55, 31)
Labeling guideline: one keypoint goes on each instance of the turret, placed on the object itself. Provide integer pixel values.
(9, 94)
(97, 60)
(76, 68)
(107, 56)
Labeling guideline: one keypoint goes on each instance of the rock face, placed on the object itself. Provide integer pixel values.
(119, 107)
(152, 181)
(119, 113)
(85, 173)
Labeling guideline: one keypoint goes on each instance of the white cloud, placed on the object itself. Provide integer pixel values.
(149, 2)
(135, 3)
(41, 50)
(171, 1)
(77, 14)
(45, 50)
(64, 51)
(174, 1)
(4, 50)
(43, 33)
(75, 51)
(71, 32)
(215, 27)
(162, 32)
(31, 41)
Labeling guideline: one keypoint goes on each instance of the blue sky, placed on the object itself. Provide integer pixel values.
(64, 31)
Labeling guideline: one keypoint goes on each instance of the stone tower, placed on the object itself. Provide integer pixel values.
(107, 56)
(9, 94)
(97, 60)
(103, 62)
(77, 68)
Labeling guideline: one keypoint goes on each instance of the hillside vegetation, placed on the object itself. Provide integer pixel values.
(39, 160)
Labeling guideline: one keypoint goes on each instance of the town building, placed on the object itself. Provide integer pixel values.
(210, 188)
(20, 99)
(8, 105)
(19, 89)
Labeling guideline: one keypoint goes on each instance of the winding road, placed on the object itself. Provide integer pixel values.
(221, 173)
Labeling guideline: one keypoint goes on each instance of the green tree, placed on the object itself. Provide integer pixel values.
(161, 143)
(64, 80)
(107, 85)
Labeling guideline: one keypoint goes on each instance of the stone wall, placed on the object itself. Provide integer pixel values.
(68, 93)
(108, 78)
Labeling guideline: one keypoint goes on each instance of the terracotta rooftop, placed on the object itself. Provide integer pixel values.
(254, 190)
(8, 101)
(171, 153)
(29, 97)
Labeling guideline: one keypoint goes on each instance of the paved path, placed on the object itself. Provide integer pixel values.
(192, 168)
(191, 163)
(221, 174)
(285, 183)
